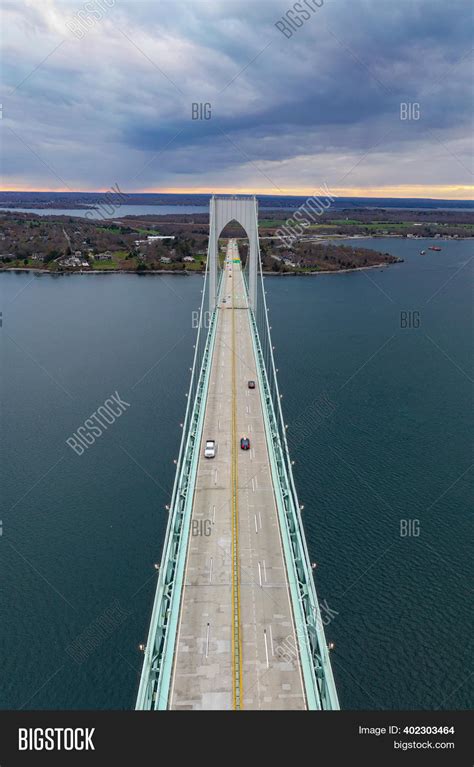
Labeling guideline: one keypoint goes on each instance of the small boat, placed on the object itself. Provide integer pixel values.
(434, 247)
(422, 252)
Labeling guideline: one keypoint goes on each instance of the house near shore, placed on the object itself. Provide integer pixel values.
(74, 261)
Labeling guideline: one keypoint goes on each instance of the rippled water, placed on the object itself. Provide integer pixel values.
(380, 424)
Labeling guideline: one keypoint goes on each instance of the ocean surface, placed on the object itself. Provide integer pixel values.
(119, 211)
(104, 212)
(376, 370)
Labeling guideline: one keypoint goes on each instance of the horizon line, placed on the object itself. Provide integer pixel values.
(371, 193)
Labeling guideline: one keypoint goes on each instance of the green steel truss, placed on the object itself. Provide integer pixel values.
(155, 678)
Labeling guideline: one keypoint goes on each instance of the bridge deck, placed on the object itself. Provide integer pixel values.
(236, 486)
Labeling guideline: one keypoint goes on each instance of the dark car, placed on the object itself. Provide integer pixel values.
(251, 384)
(244, 443)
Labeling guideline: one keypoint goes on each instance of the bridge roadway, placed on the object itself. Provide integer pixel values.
(235, 610)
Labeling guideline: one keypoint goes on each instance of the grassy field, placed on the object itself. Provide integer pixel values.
(114, 263)
(398, 227)
(267, 223)
(147, 232)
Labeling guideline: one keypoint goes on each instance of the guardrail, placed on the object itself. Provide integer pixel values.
(313, 649)
(153, 692)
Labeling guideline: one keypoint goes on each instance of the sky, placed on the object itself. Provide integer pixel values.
(365, 98)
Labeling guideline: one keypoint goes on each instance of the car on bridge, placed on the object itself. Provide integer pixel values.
(210, 449)
(244, 443)
(251, 384)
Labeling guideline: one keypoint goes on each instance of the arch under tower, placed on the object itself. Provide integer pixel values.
(222, 210)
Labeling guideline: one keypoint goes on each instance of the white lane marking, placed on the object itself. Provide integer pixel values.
(259, 573)
(264, 571)
(256, 482)
(253, 485)
(271, 640)
(266, 646)
(210, 571)
(260, 519)
(207, 641)
(213, 515)
(218, 424)
(255, 518)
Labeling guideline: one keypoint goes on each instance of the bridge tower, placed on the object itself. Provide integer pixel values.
(244, 210)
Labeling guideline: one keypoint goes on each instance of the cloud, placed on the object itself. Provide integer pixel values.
(115, 104)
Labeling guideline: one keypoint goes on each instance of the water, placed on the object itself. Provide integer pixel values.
(104, 212)
(118, 212)
(123, 210)
(390, 440)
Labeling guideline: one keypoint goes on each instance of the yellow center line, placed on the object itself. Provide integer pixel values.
(236, 623)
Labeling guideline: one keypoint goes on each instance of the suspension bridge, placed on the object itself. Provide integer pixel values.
(236, 622)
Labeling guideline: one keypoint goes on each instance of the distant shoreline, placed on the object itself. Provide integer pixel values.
(331, 271)
(178, 272)
(192, 273)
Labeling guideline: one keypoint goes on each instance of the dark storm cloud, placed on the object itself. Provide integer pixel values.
(332, 90)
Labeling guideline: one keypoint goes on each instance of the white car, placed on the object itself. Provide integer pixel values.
(210, 449)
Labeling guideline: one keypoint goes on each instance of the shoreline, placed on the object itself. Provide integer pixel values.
(180, 273)
(192, 273)
(329, 271)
